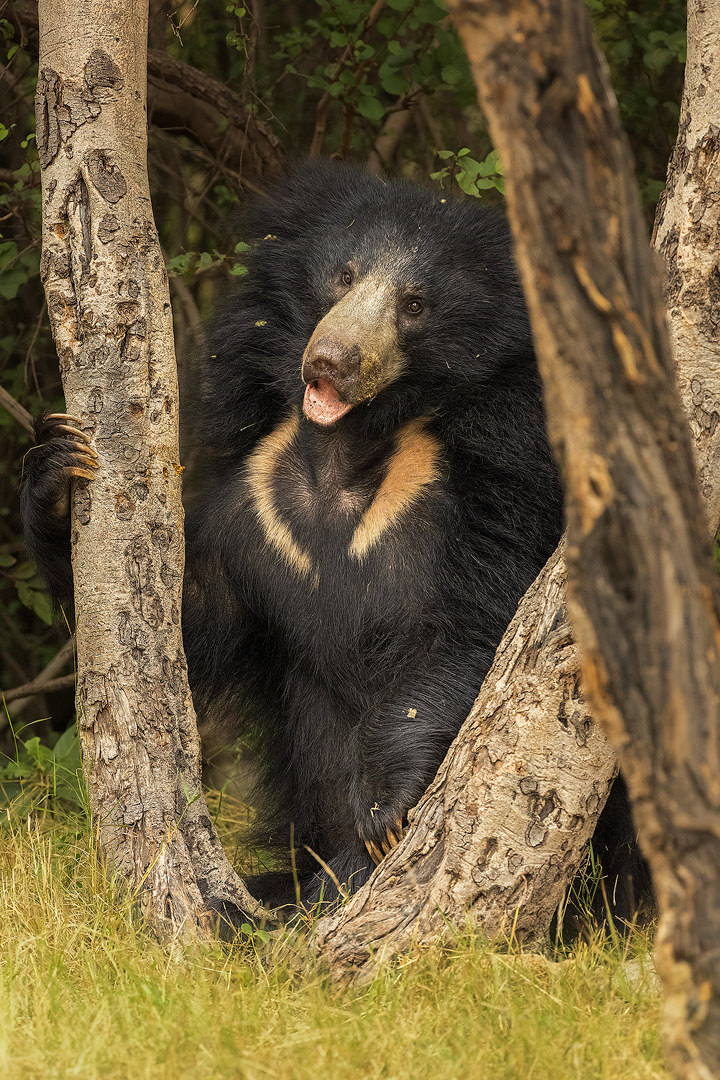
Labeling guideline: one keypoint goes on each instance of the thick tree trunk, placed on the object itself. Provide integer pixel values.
(642, 587)
(108, 300)
(575, 213)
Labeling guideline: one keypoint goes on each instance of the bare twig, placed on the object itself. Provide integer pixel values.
(29, 358)
(43, 681)
(16, 409)
(396, 121)
(47, 686)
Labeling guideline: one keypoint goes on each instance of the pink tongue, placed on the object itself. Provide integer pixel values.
(322, 404)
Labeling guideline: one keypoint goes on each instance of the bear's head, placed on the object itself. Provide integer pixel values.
(370, 301)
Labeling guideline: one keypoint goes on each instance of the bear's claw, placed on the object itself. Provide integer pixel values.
(392, 837)
(63, 452)
(80, 458)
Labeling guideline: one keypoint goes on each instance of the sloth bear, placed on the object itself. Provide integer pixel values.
(379, 494)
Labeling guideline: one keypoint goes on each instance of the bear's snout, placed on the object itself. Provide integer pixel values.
(334, 362)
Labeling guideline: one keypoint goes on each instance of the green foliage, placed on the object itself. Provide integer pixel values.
(473, 177)
(30, 588)
(36, 774)
(369, 70)
(644, 42)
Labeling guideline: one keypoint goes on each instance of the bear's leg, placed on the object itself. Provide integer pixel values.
(627, 883)
(401, 748)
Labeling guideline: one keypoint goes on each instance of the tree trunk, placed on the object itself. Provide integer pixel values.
(642, 587)
(109, 307)
(574, 209)
(687, 227)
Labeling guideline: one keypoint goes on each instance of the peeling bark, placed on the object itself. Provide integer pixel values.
(110, 313)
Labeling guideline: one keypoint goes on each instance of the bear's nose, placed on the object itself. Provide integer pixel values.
(339, 364)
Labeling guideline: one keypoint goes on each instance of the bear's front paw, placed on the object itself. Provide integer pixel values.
(381, 831)
(62, 452)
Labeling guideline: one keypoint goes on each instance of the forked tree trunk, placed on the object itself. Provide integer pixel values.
(108, 301)
(644, 584)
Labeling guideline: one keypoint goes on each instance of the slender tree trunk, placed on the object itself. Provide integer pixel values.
(108, 300)
(687, 227)
(638, 552)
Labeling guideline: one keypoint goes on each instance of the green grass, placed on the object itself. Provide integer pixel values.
(87, 992)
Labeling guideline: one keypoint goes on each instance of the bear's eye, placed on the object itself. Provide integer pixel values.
(414, 307)
(346, 278)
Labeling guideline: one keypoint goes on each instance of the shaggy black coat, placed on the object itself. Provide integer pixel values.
(356, 665)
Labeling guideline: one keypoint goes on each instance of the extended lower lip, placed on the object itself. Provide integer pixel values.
(322, 403)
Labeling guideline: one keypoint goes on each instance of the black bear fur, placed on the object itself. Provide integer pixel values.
(352, 631)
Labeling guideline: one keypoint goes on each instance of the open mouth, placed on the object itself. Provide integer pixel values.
(322, 403)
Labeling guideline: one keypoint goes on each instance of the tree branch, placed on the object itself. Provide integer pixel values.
(502, 829)
(449, 852)
(60, 660)
(260, 144)
(39, 686)
(687, 225)
(323, 104)
(16, 410)
(110, 314)
(181, 96)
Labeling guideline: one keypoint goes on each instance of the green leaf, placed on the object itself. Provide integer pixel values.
(42, 606)
(451, 74)
(392, 82)
(25, 571)
(180, 264)
(467, 183)
(6, 559)
(67, 746)
(8, 252)
(371, 108)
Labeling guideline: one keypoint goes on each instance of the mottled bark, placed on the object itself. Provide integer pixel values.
(642, 588)
(687, 228)
(109, 307)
